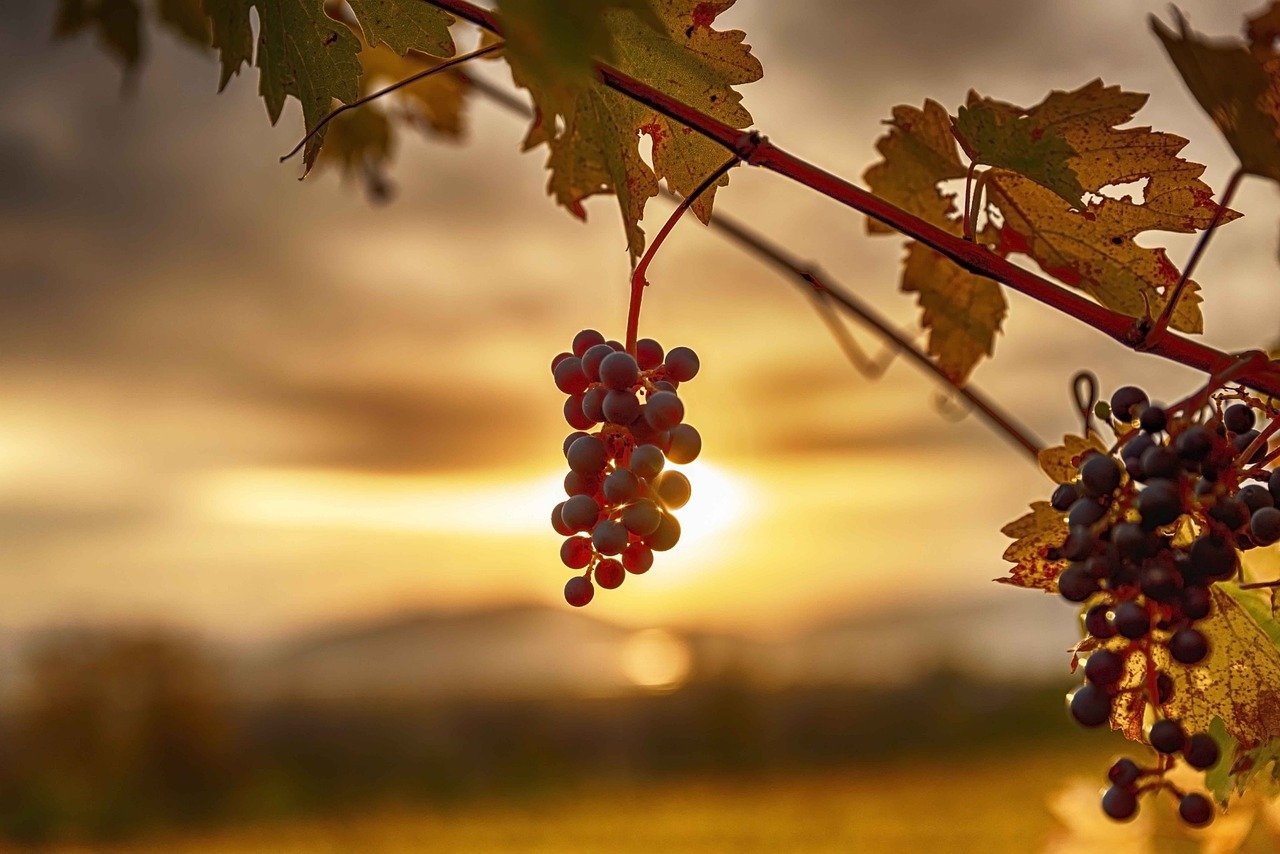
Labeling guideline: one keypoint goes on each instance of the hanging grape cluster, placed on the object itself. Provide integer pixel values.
(620, 493)
(1142, 585)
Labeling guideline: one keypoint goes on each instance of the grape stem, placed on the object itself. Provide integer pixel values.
(1246, 362)
(1258, 585)
(1267, 432)
(1162, 322)
(827, 296)
(638, 280)
(387, 90)
(969, 255)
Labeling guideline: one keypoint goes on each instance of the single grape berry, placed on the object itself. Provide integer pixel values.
(637, 558)
(684, 444)
(578, 591)
(1230, 511)
(1201, 751)
(1159, 582)
(1264, 526)
(1255, 497)
(673, 489)
(1167, 736)
(609, 537)
(1131, 541)
(1124, 773)
(682, 364)
(576, 484)
(665, 536)
(1127, 402)
(1120, 803)
(587, 456)
(1137, 446)
(1159, 504)
(574, 415)
(1104, 668)
(648, 354)
(575, 552)
(1100, 475)
(1064, 496)
(641, 517)
(559, 357)
(609, 573)
(580, 513)
(562, 527)
(1273, 485)
(1239, 418)
(621, 407)
(664, 410)
(1160, 462)
(1213, 558)
(593, 403)
(646, 461)
(569, 376)
(570, 439)
(1079, 543)
(1075, 584)
(1090, 705)
(1085, 512)
(585, 340)
(619, 371)
(1188, 645)
(1195, 602)
(1193, 444)
(1195, 809)
(620, 486)
(1153, 419)
(1131, 620)
(1097, 624)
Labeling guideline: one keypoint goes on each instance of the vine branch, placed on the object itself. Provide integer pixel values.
(638, 280)
(399, 84)
(971, 256)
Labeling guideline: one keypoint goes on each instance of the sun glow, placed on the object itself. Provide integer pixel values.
(656, 659)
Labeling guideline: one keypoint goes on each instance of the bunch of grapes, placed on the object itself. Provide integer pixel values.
(1138, 590)
(621, 495)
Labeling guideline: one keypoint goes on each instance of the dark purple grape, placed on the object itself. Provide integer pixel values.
(1239, 418)
(1085, 512)
(578, 591)
(1160, 462)
(578, 484)
(1167, 736)
(574, 415)
(684, 444)
(1100, 475)
(593, 403)
(1131, 541)
(1120, 803)
(1164, 688)
(1193, 444)
(1265, 526)
(621, 407)
(575, 552)
(571, 438)
(1255, 497)
(1244, 440)
(592, 358)
(1188, 646)
(1131, 620)
(1230, 511)
(620, 486)
(1104, 668)
(1196, 602)
(1079, 543)
(1137, 446)
(682, 364)
(1064, 496)
(1159, 582)
(1213, 558)
(619, 371)
(580, 513)
(609, 537)
(642, 517)
(648, 354)
(587, 456)
(664, 410)
(1195, 809)
(1273, 485)
(1153, 419)
(1075, 584)
(1159, 504)
(646, 461)
(609, 573)
(559, 357)
(1097, 624)
(665, 536)
(637, 558)
(585, 340)
(557, 521)
(1090, 705)
(1127, 402)
(1124, 772)
(569, 376)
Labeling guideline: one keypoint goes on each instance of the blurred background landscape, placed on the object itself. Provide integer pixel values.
(276, 465)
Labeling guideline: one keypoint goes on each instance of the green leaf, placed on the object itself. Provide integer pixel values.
(995, 134)
(917, 154)
(405, 25)
(1237, 87)
(232, 35)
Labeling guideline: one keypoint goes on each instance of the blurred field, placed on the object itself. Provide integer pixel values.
(993, 804)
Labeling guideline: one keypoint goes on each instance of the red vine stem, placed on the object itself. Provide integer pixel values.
(826, 294)
(757, 151)
(638, 281)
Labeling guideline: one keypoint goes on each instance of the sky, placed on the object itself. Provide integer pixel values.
(252, 404)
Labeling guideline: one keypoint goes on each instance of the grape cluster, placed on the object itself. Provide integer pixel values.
(621, 495)
(1138, 589)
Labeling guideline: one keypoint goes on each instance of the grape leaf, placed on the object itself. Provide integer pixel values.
(962, 311)
(1237, 86)
(1062, 462)
(998, 134)
(594, 148)
(186, 18)
(1036, 534)
(405, 25)
(1238, 682)
(917, 154)
(116, 23)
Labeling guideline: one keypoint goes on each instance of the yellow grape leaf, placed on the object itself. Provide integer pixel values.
(1035, 535)
(1238, 87)
(594, 148)
(1092, 250)
(962, 312)
(1062, 462)
(917, 154)
(1238, 682)
(997, 134)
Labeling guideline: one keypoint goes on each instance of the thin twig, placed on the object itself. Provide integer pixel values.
(399, 84)
(969, 255)
(638, 280)
(1166, 315)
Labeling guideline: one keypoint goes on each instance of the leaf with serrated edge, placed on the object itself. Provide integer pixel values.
(917, 154)
(1035, 534)
(1061, 463)
(1238, 88)
(993, 135)
(962, 311)
(405, 25)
